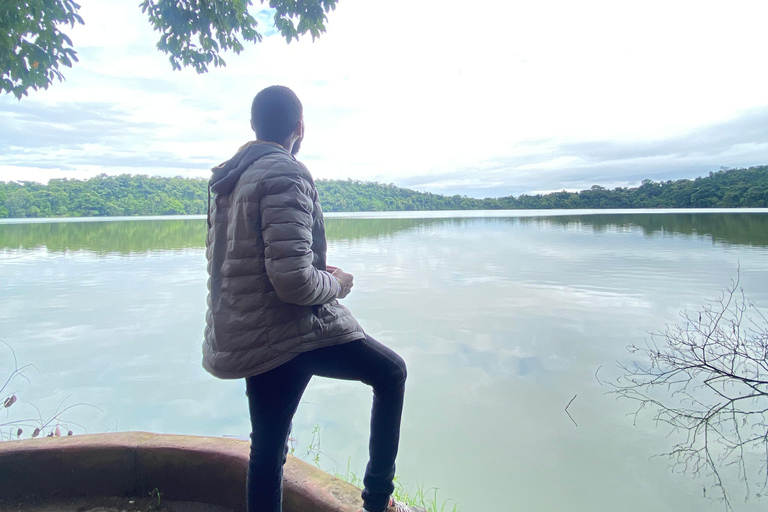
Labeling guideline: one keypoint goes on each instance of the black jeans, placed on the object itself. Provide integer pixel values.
(274, 396)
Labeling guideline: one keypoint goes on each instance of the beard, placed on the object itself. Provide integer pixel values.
(296, 146)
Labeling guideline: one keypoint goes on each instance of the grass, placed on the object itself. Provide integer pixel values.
(418, 496)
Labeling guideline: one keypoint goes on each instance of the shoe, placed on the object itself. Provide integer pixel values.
(399, 506)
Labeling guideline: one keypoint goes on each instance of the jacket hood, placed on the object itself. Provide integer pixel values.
(225, 176)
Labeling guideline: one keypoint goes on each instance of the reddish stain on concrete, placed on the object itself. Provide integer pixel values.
(188, 468)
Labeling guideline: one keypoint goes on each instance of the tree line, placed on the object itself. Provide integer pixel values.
(103, 195)
(131, 195)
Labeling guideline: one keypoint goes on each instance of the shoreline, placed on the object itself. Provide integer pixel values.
(415, 214)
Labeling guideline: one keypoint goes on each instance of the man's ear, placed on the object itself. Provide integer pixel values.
(300, 129)
(253, 127)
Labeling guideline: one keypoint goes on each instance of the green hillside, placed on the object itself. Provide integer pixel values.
(128, 195)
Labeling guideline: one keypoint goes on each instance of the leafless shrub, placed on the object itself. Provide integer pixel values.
(706, 378)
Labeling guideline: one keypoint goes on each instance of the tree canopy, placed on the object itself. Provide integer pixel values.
(127, 195)
(33, 46)
(193, 33)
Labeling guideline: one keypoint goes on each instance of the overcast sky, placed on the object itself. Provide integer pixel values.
(478, 98)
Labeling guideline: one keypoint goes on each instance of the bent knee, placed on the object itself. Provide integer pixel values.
(396, 377)
(397, 372)
(391, 370)
(403, 369)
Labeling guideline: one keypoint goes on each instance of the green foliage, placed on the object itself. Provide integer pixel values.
(104, 195)
(193, 33)
(33, 46)
(360, 196)
(727, 188)
(127, 195)
(213, 25)
(309, 16)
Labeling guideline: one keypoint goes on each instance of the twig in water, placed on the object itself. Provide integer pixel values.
(596, 377)
(569, 414)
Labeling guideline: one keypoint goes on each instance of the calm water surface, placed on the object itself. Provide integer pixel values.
(502, 318)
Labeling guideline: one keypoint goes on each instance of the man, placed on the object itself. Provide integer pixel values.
(273, 315)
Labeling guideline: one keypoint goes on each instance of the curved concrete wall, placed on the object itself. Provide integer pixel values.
(190, 468)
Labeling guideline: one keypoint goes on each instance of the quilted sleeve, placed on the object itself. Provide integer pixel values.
(286, 224)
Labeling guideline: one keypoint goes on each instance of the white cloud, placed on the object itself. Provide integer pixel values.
(444, 95)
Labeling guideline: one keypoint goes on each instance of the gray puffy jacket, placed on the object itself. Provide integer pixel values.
(270, 298)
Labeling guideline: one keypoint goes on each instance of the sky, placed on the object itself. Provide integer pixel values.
(479, 99)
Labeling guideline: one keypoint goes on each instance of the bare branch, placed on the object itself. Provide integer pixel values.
(706, 379)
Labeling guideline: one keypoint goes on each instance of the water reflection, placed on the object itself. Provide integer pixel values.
(501, 320)
(119, 237)
(125, 237)
(732, 228)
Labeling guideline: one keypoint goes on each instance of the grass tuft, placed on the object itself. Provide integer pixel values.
(418, 496)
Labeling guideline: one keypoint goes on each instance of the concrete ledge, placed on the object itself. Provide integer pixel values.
(189, 468)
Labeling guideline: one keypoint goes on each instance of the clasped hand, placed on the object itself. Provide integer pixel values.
(345, 280)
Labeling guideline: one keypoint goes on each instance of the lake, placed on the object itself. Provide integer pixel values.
(502, 317)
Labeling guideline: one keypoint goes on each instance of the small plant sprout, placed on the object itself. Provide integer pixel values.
(155, 498)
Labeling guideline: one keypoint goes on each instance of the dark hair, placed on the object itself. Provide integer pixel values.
(275, 113)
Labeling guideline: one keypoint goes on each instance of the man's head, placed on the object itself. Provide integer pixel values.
(277, 116)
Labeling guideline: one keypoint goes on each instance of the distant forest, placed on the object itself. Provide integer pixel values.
(128, 195)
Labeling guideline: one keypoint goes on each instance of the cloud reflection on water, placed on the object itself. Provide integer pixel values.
(502, 321)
